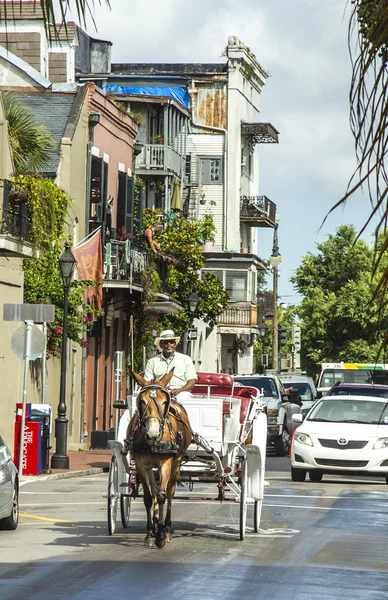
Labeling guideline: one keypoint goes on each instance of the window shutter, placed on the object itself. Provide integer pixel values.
(129, 206)
(139, 203)
(96, 190)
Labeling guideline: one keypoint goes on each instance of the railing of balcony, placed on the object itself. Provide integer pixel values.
(13, 214)
(159, 156)
(257, 207)
(127, 261)
(242, 315)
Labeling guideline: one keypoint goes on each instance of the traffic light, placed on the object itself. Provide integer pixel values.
(295, 335)
(282, 336)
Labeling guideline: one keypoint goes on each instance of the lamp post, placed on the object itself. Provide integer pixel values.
(60, 460)
(192, 303)
(274, 261)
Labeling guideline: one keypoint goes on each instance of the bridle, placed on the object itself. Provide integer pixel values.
(161, 416)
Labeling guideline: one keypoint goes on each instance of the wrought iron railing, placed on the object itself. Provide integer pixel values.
(13, 214)
(128, 260)
(258, 208)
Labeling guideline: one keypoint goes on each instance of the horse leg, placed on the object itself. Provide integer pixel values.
(146, 477)
(164, 478)
(170, 496)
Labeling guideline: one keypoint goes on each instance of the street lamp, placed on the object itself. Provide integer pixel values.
(60, 460)
(274, 261)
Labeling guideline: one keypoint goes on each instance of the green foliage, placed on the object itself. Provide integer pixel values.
(30, 143)
(179, 239)
(338, 319)
(47, 208)
(150, 217)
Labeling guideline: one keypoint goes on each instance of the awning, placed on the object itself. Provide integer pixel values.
(176, 200)
(260, 133)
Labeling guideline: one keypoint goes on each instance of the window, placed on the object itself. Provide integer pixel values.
(212, 170)
(125, 205)
(98, 190)
(234, 282)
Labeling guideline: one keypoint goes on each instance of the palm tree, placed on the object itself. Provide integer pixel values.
(30, 143)
(368, 47)
(83, 9)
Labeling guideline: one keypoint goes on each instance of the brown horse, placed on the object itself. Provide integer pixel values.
(157, 437)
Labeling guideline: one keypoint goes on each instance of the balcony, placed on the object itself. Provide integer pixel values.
(125, 263)
(257, 211)
(159, 157)
(239, 314)
(14, 225)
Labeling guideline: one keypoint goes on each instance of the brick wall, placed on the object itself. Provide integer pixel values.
(57, 67)
(24, 45)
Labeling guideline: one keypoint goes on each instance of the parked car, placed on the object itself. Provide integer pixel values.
(342, 435)
(305, 387)
(359, 389)
(280, 411)
(9, 489)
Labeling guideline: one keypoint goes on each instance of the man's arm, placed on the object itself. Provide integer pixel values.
(185, 388)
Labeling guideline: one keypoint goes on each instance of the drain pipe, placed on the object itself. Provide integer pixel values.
(193, 91)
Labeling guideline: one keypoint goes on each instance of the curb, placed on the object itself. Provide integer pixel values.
(65, 475)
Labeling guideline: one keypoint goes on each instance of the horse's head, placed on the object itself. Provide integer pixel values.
(153, 403)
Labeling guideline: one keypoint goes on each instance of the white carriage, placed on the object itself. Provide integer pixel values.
(228, 447)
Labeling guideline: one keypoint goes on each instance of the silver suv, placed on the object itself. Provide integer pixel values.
(280, 410)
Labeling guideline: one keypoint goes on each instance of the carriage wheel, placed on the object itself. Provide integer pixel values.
(113, 485)
(125, 509)
(243, 500)
(257, 515)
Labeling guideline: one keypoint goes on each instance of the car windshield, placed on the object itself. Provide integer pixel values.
(304, 389)
(359, 391)
(267, 385)
(350, 411)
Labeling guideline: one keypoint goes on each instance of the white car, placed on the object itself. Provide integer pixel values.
(342, 434)
(9, 489)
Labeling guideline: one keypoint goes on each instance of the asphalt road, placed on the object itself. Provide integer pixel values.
(316, 541)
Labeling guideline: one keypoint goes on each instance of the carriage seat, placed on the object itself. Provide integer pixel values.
(213, 384)
(245, 393)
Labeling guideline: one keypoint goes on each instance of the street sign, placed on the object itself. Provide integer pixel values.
(39, 313)
(37, 342)
(192, 334)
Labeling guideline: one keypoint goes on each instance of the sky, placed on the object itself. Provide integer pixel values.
(303, 45)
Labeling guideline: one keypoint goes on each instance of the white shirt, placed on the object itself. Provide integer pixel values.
(158, 366)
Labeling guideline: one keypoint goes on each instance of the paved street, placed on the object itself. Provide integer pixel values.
(323, 541)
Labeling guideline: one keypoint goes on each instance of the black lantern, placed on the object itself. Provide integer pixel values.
(192, 303)
(60, 460)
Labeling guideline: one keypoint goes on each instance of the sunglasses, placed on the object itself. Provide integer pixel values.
(166, 342)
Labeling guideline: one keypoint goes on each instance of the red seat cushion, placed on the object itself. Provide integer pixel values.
(214, 384)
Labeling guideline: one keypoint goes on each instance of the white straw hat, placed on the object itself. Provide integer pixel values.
(167, 334)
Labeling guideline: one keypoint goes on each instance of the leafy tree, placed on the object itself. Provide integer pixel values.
(339, 321)
(30, 143)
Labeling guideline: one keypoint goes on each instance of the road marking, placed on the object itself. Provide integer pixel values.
(322, 508)
(27, 516)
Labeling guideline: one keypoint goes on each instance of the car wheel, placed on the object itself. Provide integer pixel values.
(298, 474)
(12, 521)
(283, 442)
(315, 476)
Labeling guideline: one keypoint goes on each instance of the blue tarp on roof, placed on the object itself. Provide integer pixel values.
(178, 93)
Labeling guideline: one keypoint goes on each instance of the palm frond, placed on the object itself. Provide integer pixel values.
(30, 143)
(53, 19)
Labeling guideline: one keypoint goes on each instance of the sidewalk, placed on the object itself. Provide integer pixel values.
(81, 463)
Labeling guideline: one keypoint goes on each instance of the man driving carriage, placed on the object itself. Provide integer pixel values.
(181, 383)
(184, 377)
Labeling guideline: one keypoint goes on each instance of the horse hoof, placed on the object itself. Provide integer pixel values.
(161, 543)
(149, 542)
(168, 536)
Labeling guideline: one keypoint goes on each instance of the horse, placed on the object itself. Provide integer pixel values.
(157, 437)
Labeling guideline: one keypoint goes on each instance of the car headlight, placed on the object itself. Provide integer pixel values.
(303, 438)
(381, 443)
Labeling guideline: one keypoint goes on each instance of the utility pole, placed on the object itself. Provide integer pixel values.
(274, 261)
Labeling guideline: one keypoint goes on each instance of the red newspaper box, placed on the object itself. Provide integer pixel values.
(32, 454)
